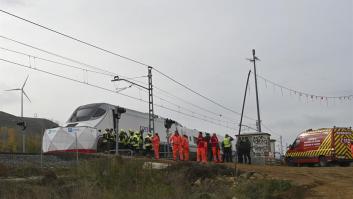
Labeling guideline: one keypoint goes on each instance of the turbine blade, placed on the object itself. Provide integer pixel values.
(15, 89)
(25, 82)
(26, 96)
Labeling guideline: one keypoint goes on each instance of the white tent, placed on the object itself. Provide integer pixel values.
(69, 139)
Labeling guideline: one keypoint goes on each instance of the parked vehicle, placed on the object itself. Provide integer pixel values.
(322, 146)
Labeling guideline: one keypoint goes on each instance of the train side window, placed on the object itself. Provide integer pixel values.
(99, 112)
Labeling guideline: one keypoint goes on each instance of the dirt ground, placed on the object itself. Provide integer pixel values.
(317, 182)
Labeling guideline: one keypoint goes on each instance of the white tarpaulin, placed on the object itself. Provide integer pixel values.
(64, 139)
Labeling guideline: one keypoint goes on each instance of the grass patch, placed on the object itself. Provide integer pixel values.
(264, 188)
(114, 177)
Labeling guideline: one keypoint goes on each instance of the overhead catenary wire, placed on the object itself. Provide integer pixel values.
(57, 55)
(109, 90)
(122, 56)
(199, 94)
(74, 38)
(104, 72)
(54, 62)
(59, 63)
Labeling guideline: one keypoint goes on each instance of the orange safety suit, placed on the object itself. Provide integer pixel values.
(185, 146)
(175, 140)
(352, 148)
(201, 152)
(155, 142)
(216, 152)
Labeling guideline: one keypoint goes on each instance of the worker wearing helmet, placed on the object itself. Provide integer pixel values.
(185, 147)
(123, 139)
(141, 139)
(175, 140)
(216, 152)
(135, 142)
(201, 152)
(129, 139)
(156, 142)
(148, 144)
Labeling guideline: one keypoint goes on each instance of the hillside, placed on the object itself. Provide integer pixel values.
(11, 134)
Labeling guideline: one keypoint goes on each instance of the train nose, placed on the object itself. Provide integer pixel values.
(70, 139)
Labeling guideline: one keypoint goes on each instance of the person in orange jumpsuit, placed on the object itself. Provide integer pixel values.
(175, 140)
(185, 146)
(156, 142)
(201, 152)
(216, 152)
(352, 147)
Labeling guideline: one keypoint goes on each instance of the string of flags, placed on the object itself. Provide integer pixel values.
(301, 94)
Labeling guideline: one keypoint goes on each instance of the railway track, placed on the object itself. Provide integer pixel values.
(37, 160)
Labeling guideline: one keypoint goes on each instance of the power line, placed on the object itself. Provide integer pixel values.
(71, 66)
(303, 93)
(109, 90)
(121, 56)
(197, 93)
(54, 62)
(76, 39)
(56, 55)
(105, 72)
(192, 104)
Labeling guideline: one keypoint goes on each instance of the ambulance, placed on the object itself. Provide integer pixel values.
(322, 146)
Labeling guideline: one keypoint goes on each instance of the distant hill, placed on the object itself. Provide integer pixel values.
(11, 134)
(34, 125)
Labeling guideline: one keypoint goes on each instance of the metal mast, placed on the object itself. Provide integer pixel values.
(242, 110)
(150, 101)
(257, 96)
(150, 96)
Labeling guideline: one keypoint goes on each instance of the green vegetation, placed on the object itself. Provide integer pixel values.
(118, 178)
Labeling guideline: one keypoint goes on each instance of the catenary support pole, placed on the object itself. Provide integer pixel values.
(150, 102)
(257, 95)
(242, 110)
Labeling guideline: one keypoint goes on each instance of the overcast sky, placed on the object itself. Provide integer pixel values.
(304, 45)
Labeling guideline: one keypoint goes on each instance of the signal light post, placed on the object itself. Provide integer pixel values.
(168, 124)
(116, 115)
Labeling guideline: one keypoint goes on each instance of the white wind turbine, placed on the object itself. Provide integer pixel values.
(22, 93)
(22, 122)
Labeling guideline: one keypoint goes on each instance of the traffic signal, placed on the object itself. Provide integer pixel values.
(168, 123)
(118, 111)
(22, 124)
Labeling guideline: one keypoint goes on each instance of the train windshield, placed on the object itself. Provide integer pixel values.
(85, 113)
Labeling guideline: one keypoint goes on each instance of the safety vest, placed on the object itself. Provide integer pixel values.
(226, 142)
(135, 141)
(123, 137)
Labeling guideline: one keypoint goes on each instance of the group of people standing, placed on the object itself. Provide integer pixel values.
(135, 142)
(180, 145)
(243, 150)
(208, 147)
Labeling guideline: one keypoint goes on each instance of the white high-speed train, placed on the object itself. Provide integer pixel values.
(88, 122)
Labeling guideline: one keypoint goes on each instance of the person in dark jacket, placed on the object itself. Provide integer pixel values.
(239, 151)
(209, 147)
(247, 149)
